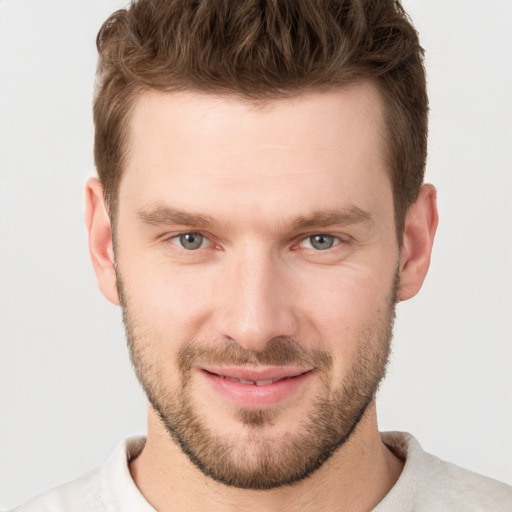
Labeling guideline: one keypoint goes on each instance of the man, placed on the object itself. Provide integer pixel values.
(259, 212)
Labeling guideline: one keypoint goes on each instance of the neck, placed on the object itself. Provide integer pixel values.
(355, 478)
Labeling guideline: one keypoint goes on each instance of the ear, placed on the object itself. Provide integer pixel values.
(101, 247)
(420, 227)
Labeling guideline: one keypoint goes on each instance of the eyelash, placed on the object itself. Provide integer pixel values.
(337, 241)
(196, 233)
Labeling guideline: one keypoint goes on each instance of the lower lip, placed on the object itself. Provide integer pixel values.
(253, 396)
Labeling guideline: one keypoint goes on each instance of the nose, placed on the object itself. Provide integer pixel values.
(255, 301)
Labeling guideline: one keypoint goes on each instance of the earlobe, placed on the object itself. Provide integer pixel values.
(101, 247)
(420, 228)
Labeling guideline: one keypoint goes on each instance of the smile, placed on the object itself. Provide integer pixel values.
(252, 382)
(256, 388)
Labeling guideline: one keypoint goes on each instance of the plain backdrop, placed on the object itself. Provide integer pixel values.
(66, 387)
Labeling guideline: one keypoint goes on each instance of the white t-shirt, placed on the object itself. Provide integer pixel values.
(427, 484)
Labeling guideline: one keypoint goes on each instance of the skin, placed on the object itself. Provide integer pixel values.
(262, 174)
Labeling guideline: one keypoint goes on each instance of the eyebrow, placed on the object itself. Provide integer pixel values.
(322, 218)
(166, 216)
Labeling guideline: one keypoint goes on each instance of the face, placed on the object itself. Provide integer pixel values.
(256, 260)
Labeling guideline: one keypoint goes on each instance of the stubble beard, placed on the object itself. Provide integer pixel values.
(259, 459)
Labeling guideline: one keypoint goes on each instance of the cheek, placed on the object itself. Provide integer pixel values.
(340, 308)
(166, 302)
(342, 297)
(161, 320)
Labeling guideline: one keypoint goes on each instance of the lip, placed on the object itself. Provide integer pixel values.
(256, 387)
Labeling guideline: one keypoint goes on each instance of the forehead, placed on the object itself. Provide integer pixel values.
(231, 119)
(191, 147)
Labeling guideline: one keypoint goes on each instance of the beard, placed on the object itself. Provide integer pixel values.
(259, 458)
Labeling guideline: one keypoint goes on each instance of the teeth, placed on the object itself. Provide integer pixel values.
(251, 382)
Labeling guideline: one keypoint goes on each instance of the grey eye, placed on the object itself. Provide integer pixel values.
(191, 241)
(321, 242)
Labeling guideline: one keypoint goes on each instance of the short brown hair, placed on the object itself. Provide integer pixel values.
(263, 49)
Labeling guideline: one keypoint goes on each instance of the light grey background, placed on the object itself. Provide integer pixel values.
(66, 388)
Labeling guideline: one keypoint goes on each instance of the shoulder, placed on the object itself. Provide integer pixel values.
(107, 488)
(429, 483)
(82, 494)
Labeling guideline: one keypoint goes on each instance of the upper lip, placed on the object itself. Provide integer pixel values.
(258, 373)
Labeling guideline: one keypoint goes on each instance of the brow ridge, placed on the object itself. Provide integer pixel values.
(165, 215)
(321, 218)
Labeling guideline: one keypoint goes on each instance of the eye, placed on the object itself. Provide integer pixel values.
(191, 241)
(320, 242)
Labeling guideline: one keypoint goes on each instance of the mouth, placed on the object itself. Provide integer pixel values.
(256, 387)
(253, 382)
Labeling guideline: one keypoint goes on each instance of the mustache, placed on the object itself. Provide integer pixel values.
(279, 351)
